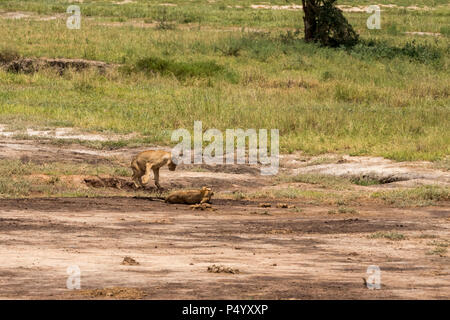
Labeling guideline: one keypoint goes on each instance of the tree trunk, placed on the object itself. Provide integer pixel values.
(325, 23)
(309, 9)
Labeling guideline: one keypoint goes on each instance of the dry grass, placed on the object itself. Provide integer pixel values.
(387, 96)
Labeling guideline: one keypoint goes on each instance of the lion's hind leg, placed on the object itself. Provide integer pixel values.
(146, 176)
(137, 174)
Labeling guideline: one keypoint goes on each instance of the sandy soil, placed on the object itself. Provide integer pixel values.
(280, 253)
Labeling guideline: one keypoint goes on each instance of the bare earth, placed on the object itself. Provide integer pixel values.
(280, 253)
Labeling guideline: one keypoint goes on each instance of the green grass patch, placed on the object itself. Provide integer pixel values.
(13, 188)
(365, 181)
(391, 235)
(236, 68)
(12, 168)
(440, 247)
(181, 70)
(322, 180)
(419, 196)
(415, 51)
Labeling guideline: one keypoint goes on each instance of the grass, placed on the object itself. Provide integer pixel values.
(391, 235)
(22, 179)
(443, 164)
(10, 168)
(92, 144)
(328, 197)
(326, 160)
(7, 55)
(180, 70)
(332, 181)
(365, 181)
(343, 210)
(31, 179)
(339, 192)
(440, 247)
(322, 180)
(237, 68)
(419, 196)
(412, 50)
(428, 236)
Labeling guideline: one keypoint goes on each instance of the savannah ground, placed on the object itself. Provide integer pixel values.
(364, 134)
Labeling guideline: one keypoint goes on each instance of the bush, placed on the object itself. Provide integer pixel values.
(423, 53)
(230, 47)
(163, 20)
(181, 70)
(8, 55)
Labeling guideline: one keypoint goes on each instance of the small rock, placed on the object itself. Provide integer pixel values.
(128, 261)
(265, 205)
(222, 269)
(202, 206)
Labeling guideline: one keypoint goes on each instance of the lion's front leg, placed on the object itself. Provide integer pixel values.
(156, 177)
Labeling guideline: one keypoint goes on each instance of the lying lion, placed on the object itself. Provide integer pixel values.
(202, 195)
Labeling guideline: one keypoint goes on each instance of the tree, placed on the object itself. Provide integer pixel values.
(325, 23)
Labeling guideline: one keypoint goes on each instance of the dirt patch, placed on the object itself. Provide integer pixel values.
(421, 33)
(231, 168)
(371, 169)
(202, 207)
(286, 255)
(43, 152)
(32, 65)
(347, 8)
(30, 225)
(132, 23)
(64, 134)
(125, 2)
(292, 7)
(14, 15)
(109, 182)
(352, 225)
(18, 15)
(110, 204)
(111, 293)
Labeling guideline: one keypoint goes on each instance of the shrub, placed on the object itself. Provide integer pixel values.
(423, 53)
(7, 55)
(181, 70)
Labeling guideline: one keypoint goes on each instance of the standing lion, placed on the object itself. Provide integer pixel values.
(150, 160)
